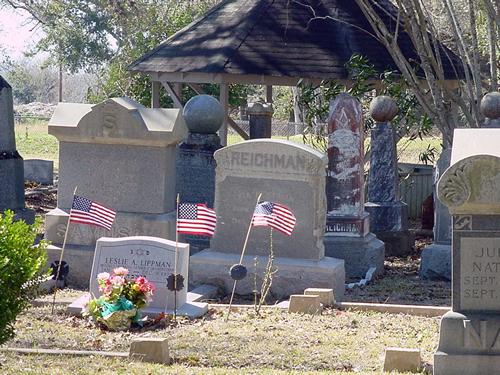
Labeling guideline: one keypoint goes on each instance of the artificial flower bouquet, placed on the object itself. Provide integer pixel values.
(121, 299)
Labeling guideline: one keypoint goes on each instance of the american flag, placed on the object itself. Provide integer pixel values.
(274, 215)
(196, 218)
(85, 211)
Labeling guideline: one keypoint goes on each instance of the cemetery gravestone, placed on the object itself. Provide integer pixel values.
(39, 171)
(388, 214)
(436, 258)
(153, 258)
(348, 234)
(11, 163)
(286, 173)
(122, 155)
(260, 120)
(195, 163)
(469, 340)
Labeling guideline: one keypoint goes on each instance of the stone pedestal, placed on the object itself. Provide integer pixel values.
(107, 151)
(286, 173)
(195, 164)
(11, 163)
(260, 120)
(388, 215)
(436, 258)
(469, 341)
(347, 224)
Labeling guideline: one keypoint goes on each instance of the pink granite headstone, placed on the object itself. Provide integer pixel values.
(345, 174)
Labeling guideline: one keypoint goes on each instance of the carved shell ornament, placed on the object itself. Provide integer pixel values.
(456, 188)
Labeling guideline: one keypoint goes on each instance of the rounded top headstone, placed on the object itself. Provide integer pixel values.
(383, 108)
(259, 108)
(490, 105)
(203, 114)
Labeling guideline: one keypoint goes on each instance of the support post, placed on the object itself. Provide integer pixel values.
(224, 100)
(269, 94)
(155, 94)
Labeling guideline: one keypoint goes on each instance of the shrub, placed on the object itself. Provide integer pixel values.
(20, 266)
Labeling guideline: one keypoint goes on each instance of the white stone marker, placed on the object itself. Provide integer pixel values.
(153, 258)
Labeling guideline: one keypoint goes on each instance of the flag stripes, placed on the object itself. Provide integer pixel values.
(196, 218)
(274, 215)
(85, 211)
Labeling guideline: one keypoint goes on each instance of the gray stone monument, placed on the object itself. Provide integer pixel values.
(195, 163)
(39, 171)
(348, 234)
(286, 173)
(260, 120)
(490, 106)
(11, 163)
(469, 342)
(436, 258)
(122, 155)
(151, 257)
(388, 214)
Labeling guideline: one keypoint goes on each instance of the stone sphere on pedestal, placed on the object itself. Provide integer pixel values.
(490, 105)
(203, 114)
(383, 109)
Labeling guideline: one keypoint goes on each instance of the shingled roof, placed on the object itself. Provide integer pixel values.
(279, 38)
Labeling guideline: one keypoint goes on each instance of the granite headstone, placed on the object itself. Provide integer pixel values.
(348, 234)
(195, 180)
(436, 258)
(286, 173)
(11, 163)
(153, 258)
(388, 214)
(469, 342)
(122, 155)
(260, 120)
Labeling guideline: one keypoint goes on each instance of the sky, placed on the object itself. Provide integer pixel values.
(15, 32)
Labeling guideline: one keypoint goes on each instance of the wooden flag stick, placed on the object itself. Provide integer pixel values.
(175, 256)
(241, 257)
(62, 254)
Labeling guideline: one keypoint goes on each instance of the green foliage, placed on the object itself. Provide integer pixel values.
(315, 101)
(20, 264)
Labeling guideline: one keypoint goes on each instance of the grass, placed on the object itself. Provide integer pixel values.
(275, 343)
(34, 142)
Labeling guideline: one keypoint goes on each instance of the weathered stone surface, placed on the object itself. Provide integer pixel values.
(203, 114)
(388, 215)
(436, 258)
(7, 136)
(435, 262)
(359, 253)
(125, 225)
(118, 176)
(326, 296)
(293, 276)
(345, 181)
(347, 224)
(122, 155)
(260, 120)
(195, 177)
(305, 304)
(442, 217)
(490, 107)
(11, 163)
(284, 172)
(150, 349)
(39, 171)
(402, 359)
(153, 258)
(469, 336)
(383, 109)
(468, 344)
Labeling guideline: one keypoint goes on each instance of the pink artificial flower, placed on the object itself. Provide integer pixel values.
(120, 271)
(140, 280)
(117, 280)
(102, 276)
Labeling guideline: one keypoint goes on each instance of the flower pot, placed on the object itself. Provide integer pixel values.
(119, 320)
